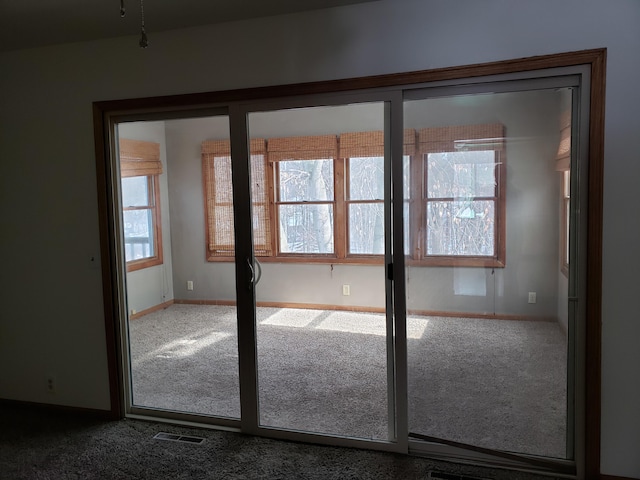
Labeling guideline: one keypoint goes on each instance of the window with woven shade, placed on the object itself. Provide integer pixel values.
(140, 169)
(305, 207)
(363, 153)
(460, 219)
(218, 191)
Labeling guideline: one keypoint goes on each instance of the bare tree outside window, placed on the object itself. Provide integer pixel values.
(138, 204)
(366, 205)
(305, 211)
(461, 203)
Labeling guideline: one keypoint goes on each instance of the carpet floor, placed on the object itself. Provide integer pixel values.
(491, 383)
(44, 445)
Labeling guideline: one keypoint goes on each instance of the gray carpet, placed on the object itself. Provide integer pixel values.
(492, 383)
(37, 444)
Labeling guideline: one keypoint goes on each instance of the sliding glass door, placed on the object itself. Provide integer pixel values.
(487, 253)
(399, 268)
(181, 324)
(318, 201)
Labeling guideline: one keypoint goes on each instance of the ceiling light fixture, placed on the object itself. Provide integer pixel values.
(144, 41)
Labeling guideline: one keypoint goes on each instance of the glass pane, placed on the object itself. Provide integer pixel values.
(138, 234)
(135, 192)
(306, 228)
(461, 228)
(461, 174)
(490, 367)
(306, 180)
(324, 370)
(366, 228)
(366, 178)
(182, 358)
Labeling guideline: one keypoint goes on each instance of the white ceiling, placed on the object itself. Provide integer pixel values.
(33, 23)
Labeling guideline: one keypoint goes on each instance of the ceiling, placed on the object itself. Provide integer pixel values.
(35, 23)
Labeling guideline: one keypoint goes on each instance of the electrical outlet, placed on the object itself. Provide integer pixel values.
(51, 384)
(532, 297)
(346, 290)
(189, 284)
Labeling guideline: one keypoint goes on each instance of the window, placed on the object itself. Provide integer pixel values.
(564, 220)
(365, 205)
(321, 198)
(563, 165)
(140, 168)
(458, 178)
(305, 206)
(216, 170)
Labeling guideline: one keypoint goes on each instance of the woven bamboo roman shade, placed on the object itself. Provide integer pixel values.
(302, 148)
(461, 138)
(139, 158)
(563, 157)
(371, 144)
(216, 169)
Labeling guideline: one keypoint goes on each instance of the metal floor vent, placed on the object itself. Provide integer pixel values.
(450, 476)
(178, 438)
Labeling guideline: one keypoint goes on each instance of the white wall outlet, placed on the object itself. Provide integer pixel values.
(189, 284)
(51, 384)
(133, 311)
(346, 290)
(532, 297)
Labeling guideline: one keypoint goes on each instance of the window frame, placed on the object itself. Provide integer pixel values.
(140, 158)
(279, 202)
(286, 149)
(484, 137)
(153, 205)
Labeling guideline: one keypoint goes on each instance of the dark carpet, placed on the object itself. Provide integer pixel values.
(44, 445)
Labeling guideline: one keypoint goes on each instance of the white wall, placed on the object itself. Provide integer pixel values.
(50, 291)
(152, 286)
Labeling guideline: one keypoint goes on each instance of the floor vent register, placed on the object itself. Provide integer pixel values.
(171, 437)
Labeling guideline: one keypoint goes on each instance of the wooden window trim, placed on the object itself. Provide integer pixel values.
(417, 144)
(157, 259)
(142, 159)
(444, 139)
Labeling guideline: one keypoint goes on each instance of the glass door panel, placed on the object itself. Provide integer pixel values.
(487, 235)
(318, 212)
(182, 324)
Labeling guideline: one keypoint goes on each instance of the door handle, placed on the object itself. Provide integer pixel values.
(253, 273)
(255, 279)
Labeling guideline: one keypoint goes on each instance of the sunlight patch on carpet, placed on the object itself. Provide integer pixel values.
(190, 346)
(353, 322)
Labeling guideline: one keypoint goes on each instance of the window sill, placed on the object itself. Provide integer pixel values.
(143, 263)
(320, 260)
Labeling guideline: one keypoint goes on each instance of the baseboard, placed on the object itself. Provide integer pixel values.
(615, 477)
(59, 409)
(155, 308)
(358, 308)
